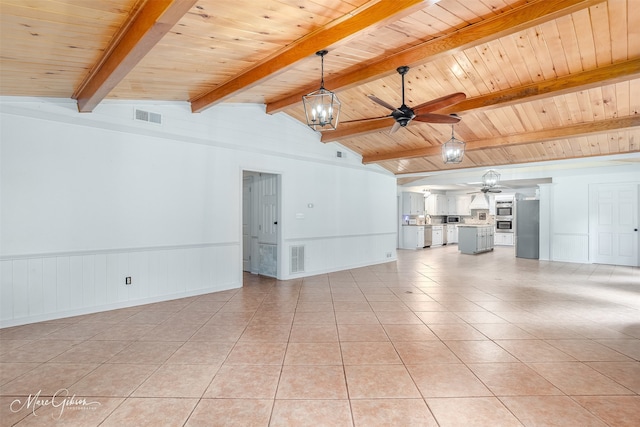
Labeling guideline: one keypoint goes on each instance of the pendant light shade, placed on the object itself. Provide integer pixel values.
(322, 107)
(490, 179)
(453, 150)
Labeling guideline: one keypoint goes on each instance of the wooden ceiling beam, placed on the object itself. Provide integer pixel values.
(571, 131)
(527, 16)
(143, 32)
(369, 16)
(585, 80)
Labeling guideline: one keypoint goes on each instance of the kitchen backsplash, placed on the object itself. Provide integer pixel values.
(475, 218)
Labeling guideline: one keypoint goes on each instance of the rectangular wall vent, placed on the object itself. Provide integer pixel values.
(148, 116)
(296, 262)
(341, 154)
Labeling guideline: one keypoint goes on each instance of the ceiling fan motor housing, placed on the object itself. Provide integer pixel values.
(403, 115)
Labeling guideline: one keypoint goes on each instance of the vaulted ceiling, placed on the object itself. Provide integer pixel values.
(543, 79)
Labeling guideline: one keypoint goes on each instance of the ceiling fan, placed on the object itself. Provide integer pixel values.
(487, 189)
(403, 115)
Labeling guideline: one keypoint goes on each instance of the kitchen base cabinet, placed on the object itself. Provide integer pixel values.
(475, 239)
(504, 239)
(452, 234)
(437, 238)
(412, 237)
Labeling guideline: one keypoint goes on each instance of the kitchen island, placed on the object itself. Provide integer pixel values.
(475, 239)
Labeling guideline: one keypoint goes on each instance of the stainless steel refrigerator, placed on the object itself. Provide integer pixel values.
(527, 218)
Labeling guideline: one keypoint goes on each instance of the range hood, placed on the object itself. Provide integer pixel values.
(479, 202)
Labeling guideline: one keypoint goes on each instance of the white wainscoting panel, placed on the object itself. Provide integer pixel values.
(46, 287)
(328, 254)
(570, 248)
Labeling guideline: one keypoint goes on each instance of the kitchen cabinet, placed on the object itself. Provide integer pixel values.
(412, 203)
(475, 239)
(504, 239)
(492, 204)
(452, 205)
(437, 238)
(463, 204)
(436, 204)
(412, 237)
(452, 234)
(458, 205)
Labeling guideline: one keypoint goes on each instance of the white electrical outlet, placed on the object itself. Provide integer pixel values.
(127, 280)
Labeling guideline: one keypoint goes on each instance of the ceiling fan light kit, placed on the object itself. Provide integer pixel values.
(322, 107)
(453, 150)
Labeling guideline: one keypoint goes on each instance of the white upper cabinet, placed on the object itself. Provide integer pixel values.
(458, 205)
(412, 203)
(452, 204)
(436, 204)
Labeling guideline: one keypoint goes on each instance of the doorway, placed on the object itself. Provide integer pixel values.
(613, 224)
(260, 224)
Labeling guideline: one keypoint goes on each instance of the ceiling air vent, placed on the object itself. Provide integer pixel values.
(341, 154)
(148, 116)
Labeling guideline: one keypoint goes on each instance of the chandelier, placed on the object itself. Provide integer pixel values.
(321, 107)
(490, 179)
(453, 150)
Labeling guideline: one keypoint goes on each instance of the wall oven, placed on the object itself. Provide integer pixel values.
(504, 226)
(504, 209)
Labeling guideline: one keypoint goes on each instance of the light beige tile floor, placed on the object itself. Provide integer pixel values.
(434, 339)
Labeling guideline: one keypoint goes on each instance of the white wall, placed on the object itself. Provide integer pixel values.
(568, 203)
(88, 199)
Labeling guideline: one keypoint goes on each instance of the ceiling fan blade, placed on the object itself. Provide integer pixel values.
(494, 190)
(436, 118)
(395, 127)
(438, 103)
(366, 120)
(381, 102)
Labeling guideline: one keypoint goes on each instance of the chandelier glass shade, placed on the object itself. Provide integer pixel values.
(453, 150)
(322, 107)
(490, 179)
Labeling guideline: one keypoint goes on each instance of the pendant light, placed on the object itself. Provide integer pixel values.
(453, 150)
(490, 179)
(322, 107)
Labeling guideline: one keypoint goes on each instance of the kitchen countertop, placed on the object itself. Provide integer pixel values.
(475, 225)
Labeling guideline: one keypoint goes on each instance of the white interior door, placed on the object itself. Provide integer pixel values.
(247, 180)
(613, 219)
(267, 207)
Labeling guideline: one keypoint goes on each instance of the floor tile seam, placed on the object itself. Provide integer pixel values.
(595, 414)
(631, 392)
(616, 350)
(40, 364)
(97, 366)
(589, 367)
(593, 340)
(519, 362)
(503, 403)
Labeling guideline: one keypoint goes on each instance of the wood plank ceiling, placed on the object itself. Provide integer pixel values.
(544, 79)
